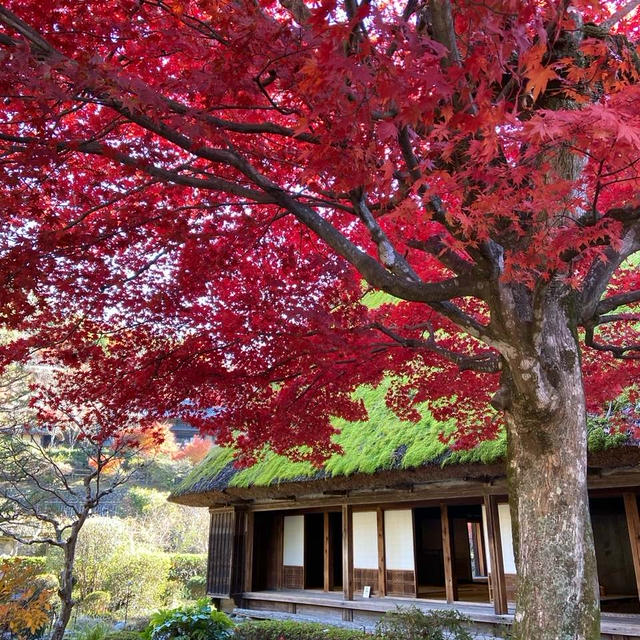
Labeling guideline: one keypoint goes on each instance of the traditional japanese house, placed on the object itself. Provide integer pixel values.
(398, 518)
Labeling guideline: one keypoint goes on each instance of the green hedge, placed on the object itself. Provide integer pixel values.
(38, 563)
(185, 566)
(290, 630)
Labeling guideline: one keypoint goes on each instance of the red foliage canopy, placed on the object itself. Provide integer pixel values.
(195, 192)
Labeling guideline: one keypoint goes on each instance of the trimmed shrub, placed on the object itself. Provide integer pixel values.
(411, 623)
(196, 622)
(187, 565)
(102, 540)
(138, 581)
(197, 587)
(290, 630)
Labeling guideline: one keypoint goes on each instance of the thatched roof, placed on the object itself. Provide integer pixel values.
(380, 453)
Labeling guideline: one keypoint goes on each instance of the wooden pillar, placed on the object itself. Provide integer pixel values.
(279, 550)
(382, 562)
(478, 538)
(327, 551)
(450, 583)
(633, 525)
(495, 550)
(347, 551)
(248, 553)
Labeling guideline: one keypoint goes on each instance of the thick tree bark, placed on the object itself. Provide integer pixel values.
(557, 597)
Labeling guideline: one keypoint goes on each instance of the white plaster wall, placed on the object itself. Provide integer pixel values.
(365, 540)
(398, 539)
(506, 538)
(293, 544)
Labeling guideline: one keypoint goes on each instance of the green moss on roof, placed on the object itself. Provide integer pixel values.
(380, 443)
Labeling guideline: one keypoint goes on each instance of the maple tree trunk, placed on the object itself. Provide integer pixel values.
(557, 596)
(65, 590)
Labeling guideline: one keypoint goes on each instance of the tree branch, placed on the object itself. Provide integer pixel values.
(613, 302)
(486, 363)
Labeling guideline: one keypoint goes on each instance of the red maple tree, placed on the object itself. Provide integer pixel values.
(197, 192)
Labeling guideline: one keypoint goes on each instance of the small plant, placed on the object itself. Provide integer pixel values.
(125, 634)
(200, 621)
(411, 623)
(91, 631)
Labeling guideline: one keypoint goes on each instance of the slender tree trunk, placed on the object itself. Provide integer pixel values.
(65, 591)
(557, 596)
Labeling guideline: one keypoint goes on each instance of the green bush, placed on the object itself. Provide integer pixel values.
(47, 581)
(137, 581)
(37, 563)
(102, 540)
(411, 623)
(196, 622)
(96, 603)
(290, 630)
(196, 587)
(187, 565)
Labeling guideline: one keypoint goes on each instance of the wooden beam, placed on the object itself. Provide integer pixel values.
(347, 551)
(450, 582)
(248, 553)
(495, 552)
(633, 525)
(382, 562)
(326, 551)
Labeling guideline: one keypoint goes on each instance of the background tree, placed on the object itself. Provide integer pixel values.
(44, 500)
(204, 185)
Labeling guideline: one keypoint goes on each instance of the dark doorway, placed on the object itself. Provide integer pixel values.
(429, 556)
(616, 577)
(335, 551)
(267, 551)
(314, 551)
(469, 568)
(467, 553)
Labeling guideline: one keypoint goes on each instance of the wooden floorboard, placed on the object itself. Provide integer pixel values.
(612, 623)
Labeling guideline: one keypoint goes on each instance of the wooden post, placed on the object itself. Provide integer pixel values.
(347, 551)
(479, 548)
(450, 583)
(327, 564)
(382, 563)
(495, 549)
(633, 525)
(248, 553)
(279, 550)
